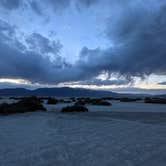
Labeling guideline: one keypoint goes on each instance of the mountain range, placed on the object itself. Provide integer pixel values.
(63, 92)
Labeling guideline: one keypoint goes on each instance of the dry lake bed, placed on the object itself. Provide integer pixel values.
(128, 134)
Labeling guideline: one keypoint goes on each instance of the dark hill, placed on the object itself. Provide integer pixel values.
(59, 92)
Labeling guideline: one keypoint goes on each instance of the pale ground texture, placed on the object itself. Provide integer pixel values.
(85, 139)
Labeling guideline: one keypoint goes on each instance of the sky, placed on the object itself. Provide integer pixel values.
(117, 45)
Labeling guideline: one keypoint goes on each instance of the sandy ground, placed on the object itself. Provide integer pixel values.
(117, 107)
(84, 139)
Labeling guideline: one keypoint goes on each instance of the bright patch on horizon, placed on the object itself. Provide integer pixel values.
(14, 81)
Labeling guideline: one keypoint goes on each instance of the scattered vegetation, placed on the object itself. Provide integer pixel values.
(52, 101)
(92, 101)
(74, 109)
(28, 104)
(67, 101)
(61, 100)
(64, 101)
(126, 99)
(104, 103)
(73, 99)
(155, 100)
(79, 103)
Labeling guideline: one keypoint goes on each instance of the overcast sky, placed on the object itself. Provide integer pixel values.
(117, 45)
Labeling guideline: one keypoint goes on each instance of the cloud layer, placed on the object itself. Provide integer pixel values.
(38, 6)
(8, 4)
(137, 30)
(18, 60)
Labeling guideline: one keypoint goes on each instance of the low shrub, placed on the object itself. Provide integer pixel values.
(108, 98)
(104, 103)
(73, 99)
(28, 104)
(99, 102)
(126, 99)
(61, 100)
(155, 100)
(67, 101)
(64, 101)
(52, 101)
(80, 103)
(74, 109)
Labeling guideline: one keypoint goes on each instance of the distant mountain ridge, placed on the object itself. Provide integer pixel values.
(58, 92)
(66, 92)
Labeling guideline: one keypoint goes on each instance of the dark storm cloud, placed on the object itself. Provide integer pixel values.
(43, 45)
(138, 31)
(63, 4)
(37, 5)
(17, 61)
(30, 60)
(86, 3)
(6, 30)
(58, 5)
(10, 4)
(66, 3)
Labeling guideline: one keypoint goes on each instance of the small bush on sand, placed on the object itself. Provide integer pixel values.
(73, 99)
(126, 99)
(61, 100)
(28, 104)
(74, 109)
(99, 102)
(80, 103)
(52, 101)
(104, 103)
(67, 101)
(155, 100)
(64, 101)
